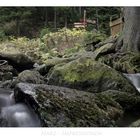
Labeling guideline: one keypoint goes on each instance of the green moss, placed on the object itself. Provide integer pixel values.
(85, 110)
(129, 102)
(29, 76)
(105, 49)
(90, 75)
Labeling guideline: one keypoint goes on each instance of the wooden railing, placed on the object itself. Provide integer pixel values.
(116, 26)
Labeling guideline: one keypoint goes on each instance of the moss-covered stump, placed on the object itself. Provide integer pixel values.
(89, 75)
(29, 76)
(63, 107)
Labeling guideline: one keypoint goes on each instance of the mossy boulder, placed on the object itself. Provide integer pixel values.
(29, 76)
(50, 63)
(89, 75)
(130, 104)
(64, 107)
(44, 69)
(18, 60)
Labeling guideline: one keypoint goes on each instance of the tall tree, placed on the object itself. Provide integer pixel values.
(131, 32)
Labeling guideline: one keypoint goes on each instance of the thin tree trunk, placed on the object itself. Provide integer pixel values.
(55, 22)
(18, 26)
(46, 17)
(80, 11)
(97, 20)
(66, 23)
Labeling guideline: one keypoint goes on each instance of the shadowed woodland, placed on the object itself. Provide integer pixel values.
(69, 67)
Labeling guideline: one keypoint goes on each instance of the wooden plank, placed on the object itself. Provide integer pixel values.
(115, 22)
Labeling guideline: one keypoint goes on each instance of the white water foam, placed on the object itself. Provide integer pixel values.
(135, 79)
(16, 115)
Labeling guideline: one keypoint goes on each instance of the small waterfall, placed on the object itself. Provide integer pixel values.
(6, 98)
(135, 79)
(15, 115)
(19, 115)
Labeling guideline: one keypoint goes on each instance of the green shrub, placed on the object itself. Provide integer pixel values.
(10, 28)
(65, 39)
(44, 31)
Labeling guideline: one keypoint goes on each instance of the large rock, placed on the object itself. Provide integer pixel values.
(17, 60)
(58, 106)
(29, 76)
(50, 63)
(89, 75)
(44, 69)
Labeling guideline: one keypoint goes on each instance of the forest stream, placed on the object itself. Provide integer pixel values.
(128, 118)
(20, 115)
(16, 114)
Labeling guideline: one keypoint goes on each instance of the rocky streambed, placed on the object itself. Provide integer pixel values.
(75, 91)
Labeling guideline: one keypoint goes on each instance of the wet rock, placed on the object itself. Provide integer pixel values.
(64, 107)
(6, 71)
(5, 67)
(29, 76)
(18, 60)
(130, 102)
(89, 75)
(135, 124)
(6, 84)
(5, 76)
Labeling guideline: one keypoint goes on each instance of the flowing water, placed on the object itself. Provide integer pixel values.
(15, 115)
(128, 117)
(135, 79)
(21, 115)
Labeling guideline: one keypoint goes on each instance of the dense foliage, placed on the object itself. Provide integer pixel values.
(53, 44)
(30, 21)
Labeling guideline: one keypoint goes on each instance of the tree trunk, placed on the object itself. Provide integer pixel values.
(80, 11)
(131, 31)
(66, 23)
(97, 21)
(46, 17)
(55, 17)
(18, 26)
